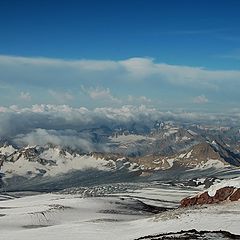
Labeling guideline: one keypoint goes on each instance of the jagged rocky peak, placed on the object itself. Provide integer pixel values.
(30, 151)
(107, 156)
(7, 149)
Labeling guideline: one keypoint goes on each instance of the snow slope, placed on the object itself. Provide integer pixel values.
(35, 161)
(24, 167)
(55, 216)
(7, 149)
(235, 182)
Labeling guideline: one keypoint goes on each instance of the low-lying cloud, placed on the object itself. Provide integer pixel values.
(79, 127)
(63, 138)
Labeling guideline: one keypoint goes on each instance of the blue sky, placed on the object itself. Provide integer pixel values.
(176, 55)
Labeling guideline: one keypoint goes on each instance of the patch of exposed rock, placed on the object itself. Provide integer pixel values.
(222, 194)
(192, 234)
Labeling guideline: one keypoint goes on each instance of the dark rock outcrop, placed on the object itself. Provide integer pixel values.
(191, 234)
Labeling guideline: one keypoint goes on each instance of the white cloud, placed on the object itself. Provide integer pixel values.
(68, 126)
(101, 94)
(139, 68)
(66, 117)
(47, 71)
(105, 95)
(97, 65)
(139, 100)
(200, 99)
(61, 97)
(25, 96)
(147, 69)
(64, 138)
(109, 83)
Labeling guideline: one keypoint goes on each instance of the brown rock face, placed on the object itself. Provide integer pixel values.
(204, 198)
(221, 194)
(235, 196)
(188, 202)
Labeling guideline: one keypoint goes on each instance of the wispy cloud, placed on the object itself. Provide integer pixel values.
(110, 82)
(20, 69)
(64, 138)
(100, 94)
(25, 96)
(139, 100)
(61, 97)
(235, 54)
(200, 99)
(195, 31)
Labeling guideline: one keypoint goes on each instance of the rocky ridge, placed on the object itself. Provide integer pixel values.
(223, 191)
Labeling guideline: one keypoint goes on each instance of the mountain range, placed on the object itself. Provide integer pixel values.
(167, 151)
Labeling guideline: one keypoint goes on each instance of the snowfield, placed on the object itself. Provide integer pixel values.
(235, 182)
(63, 165)
(117, 216)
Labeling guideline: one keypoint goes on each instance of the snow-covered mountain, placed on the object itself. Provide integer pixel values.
(168, 151)
(133, 186)
(35, 163)
(44, 165)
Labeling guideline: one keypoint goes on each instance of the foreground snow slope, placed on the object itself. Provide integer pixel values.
(55, 216)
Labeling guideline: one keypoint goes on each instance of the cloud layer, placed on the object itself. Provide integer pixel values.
(99, 83)
(81, 127)
(135, 69)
